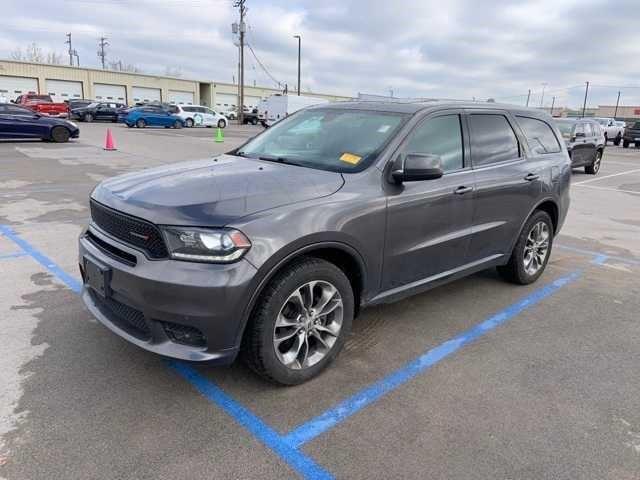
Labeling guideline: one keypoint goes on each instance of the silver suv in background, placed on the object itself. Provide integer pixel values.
(271, 249)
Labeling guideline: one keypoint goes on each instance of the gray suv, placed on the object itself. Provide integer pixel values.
(272, 249)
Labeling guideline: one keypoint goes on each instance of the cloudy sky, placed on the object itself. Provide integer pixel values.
(445, 49)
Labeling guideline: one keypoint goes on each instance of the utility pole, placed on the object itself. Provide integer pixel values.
(553, 102)
(584, 105)
(299, 47)
(101, 53)
(528, 97)
(615, 114)
(544, 85)
(241, 29)
(70, 49)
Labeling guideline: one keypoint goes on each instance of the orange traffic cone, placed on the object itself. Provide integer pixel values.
(109, 143)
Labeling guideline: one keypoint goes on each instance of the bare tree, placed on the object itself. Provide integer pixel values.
(121, 66)
(173, 72)
(33, 53)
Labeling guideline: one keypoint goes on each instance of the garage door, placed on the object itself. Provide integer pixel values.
(104, 92)
(61, 90)
(12, 87)
(180, 97)
(144, 94)
(226, 101)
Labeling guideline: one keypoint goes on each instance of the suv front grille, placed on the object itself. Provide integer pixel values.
(131, 230)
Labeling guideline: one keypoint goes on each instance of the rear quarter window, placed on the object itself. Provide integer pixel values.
(539, 135)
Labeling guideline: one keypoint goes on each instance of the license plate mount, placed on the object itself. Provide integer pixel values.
(97, 277)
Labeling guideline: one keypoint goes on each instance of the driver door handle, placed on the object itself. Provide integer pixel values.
(462, 190)
(531, 177)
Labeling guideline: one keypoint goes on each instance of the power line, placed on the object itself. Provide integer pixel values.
(278, 83)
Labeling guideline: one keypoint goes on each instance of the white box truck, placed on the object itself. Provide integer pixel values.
(277, 107)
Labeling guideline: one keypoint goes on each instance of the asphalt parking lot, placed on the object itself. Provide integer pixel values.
(479, 379)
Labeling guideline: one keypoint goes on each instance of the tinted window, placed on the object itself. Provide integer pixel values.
(539, 134)
(492, 139)
(439, 136)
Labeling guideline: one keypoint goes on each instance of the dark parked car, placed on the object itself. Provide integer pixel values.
(23, 123)
(585, 142)
(631, 135)
(78, 103)
(99, 111)
(273, 248)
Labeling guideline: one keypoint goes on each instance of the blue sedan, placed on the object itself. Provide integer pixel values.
(152, 117)
(22, 123)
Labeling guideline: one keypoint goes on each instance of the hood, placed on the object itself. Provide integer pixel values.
(215, 191)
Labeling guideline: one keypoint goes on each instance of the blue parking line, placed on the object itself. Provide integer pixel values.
(267, 435)
(598, 255)
(300, 462)
(343, 410)
(600, 259)
(42, 259)
(12, 255)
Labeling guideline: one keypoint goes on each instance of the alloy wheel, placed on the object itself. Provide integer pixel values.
(536, 248)
(597, 162)
(308, 325)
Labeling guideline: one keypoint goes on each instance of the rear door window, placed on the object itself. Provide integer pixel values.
(588, 131)
(539, 135)
(492, 139)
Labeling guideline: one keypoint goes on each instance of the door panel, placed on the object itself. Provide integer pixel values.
(429, 222)
(505, 190)
(428, 229)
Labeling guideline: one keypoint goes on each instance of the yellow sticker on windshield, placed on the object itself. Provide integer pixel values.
(350, 158)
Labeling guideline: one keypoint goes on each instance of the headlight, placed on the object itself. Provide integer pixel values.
(73, 124)
(206, 245)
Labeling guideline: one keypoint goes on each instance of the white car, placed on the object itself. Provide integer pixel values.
(199, 116)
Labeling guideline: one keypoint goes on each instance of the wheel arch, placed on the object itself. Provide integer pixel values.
(548, 205)
(340, 254)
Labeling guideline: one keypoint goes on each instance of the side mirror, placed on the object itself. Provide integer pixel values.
(417, 167)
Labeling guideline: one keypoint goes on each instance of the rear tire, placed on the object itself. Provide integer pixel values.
(594, 168)
(617, 140)
(515, 271)
(88, 117)
(60, 135)
(259, 346)
(254, 121)
(177, 124)
(606, 138)
(188, 123)
(625, 144)
(141, 123)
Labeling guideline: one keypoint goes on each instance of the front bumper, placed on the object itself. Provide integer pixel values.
(145, 298)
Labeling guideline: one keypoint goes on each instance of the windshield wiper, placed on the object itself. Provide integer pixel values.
(275, 158)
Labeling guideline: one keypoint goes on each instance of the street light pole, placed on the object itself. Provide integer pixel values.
(584, 105)
(544, 85)
(528, 97)
(553, 102)
(615, 114)
(299, 48)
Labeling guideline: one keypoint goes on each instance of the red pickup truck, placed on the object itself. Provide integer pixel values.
(43, 104)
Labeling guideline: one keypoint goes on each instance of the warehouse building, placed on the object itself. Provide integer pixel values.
(67, 83)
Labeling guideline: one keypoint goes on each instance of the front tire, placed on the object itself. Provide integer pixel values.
(177, 124)
(300, 322)
(88, 118)
(617, 140)
(254, 121)
(60, 135)
(625, 143)
(532, 250)
(188, 123)
(141, 123)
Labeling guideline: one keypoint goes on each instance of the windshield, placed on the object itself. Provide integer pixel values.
(340, 140)
(565, 127)
(92, 105)
(602, 121)
(39, 98)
